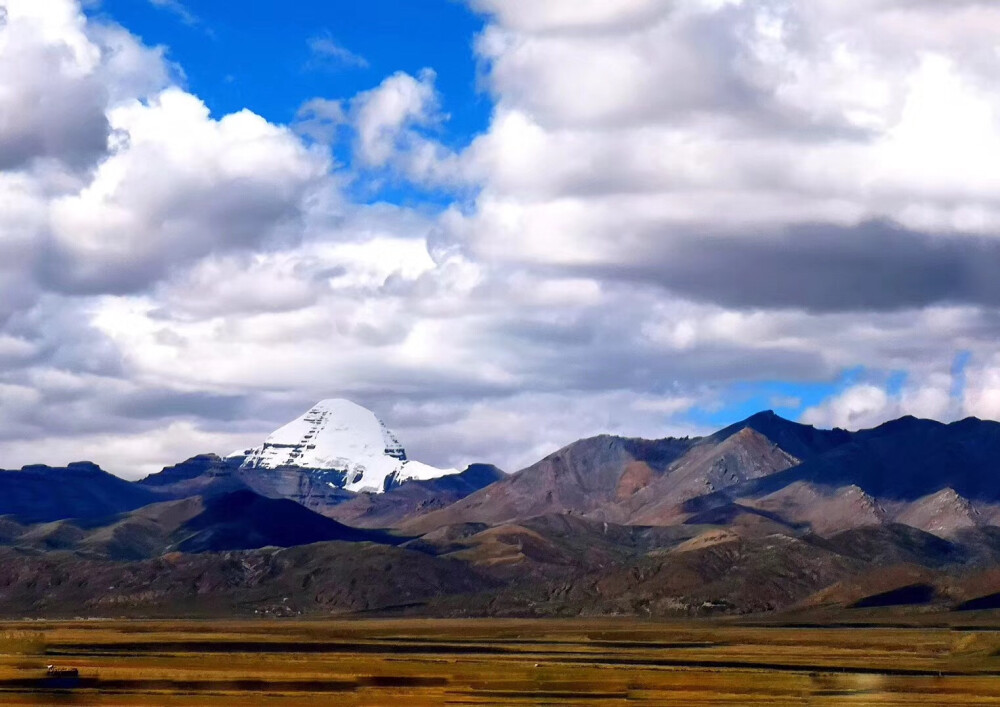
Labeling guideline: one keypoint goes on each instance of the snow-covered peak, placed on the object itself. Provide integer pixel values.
(341, 436)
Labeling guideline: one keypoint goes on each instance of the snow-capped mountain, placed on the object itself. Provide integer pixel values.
(345, 443)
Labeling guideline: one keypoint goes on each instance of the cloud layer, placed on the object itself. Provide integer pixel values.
(671, 201)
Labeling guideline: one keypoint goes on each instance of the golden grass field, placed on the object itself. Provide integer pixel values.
(499, 662)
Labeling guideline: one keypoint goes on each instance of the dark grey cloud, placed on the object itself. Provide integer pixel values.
(605, 350)
(875, 266)
(63, 338)
(241, 214)
(45, 110)
(161, 404)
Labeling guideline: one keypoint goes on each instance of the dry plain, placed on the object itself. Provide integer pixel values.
(500, 662)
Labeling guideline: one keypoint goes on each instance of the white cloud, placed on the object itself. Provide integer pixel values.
(671, 198)
(858, 407)
(385, 114)
(982, 389)
(325, 51)
(868, 405)
(178, 187)
(621, 144)
(179, 9)
(52, 105)
(320, 119)
(557, 15)
(135, 455)
(395, 127)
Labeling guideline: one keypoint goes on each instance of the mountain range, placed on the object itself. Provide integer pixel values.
(766, 515)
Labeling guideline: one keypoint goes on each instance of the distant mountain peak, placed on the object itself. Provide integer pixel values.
(72, 467)
(800, 440)
(908, 423)
(346, 440)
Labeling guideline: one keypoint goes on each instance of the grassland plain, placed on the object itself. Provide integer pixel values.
(501, 662)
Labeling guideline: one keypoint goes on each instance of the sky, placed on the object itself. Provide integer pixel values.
(502, 225)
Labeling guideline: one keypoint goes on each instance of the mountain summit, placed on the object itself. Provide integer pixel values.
(347, 444)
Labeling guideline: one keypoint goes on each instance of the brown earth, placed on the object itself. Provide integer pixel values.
(594, 662)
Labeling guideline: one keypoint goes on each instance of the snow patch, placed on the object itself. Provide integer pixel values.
(338, 435)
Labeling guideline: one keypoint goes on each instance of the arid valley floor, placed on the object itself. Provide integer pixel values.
(877, 660)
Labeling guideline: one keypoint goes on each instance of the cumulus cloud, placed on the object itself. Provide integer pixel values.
(385, 114)
(178, 187)
(52, 105)
(394, 129)
(982, 390)
(671, 199)
(868, 405)
(320, 119)
(113, 181)
(790, 136)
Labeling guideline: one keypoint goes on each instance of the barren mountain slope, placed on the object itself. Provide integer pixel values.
(580, 478)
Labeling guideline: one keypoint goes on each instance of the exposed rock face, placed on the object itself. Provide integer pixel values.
(206, 474)
(209, 475)
(638, 481)
(580, 478)
(637, 476)
(801, 441)
(412, 498)
(316, 489)
(944, 513)
(706, 468)
(826, 510)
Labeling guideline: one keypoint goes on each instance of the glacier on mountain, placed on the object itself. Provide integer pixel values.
(345, 438)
